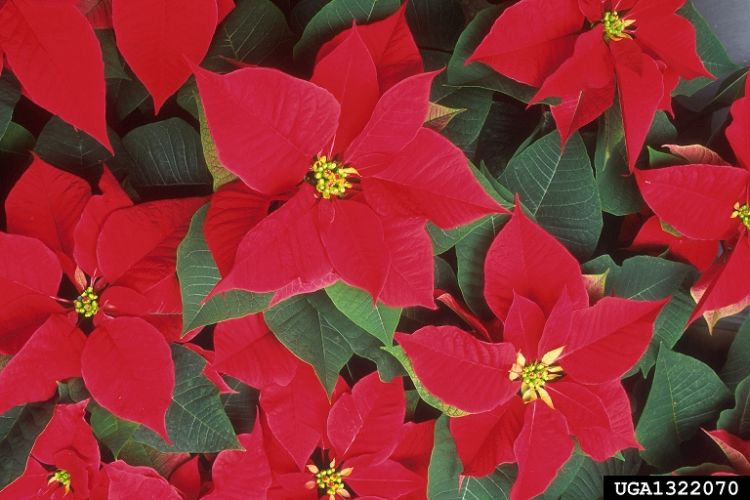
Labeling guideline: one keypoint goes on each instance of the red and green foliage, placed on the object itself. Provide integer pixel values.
(369, 249)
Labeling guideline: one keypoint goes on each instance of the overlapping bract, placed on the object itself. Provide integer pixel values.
(703, 203)
(360, 434)
(583, 52)
(556, 373)
(270, 129)
(119, 263)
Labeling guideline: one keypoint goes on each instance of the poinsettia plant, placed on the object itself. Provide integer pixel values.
(393, 249)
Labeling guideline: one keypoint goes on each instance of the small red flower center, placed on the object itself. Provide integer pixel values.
(535, 375)
(87, 304)
(742, 212)
(615, 27)
(330, 480)
(62, 478)
(330, 178)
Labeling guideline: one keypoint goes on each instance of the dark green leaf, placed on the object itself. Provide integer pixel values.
(198, 275)
(196, 421)
(435, 24)
(668, 329)
(470, 253)
(445, 467)
(250, 34)
(114, 68)
(639, 278)
(736, 367)
(737, 420)
(63, 146)
(316, 331)
(710, 50)
(167, 153)
(356, 305)
(9, 96)
(559, 190)
(16, 142)
(582, 477)
(19, 428)
(477, 74)
(335, 17)
(465, 127)
(685, 394)
(240, 407)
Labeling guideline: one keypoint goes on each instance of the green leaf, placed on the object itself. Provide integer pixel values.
(356, 305)
(198, 275)
(16, 142)
(710, 50)
(736, 366)
(470, 253)
(477, 74)
(649, 278)
(583, 477)
(336, 16)
(241, 406)
(128, 95)
(114, 68)
(166, 153)
(617, 189)
(316, 331)
(117, 435)
(464, 128)
(737, 420)
(19, 428)
(429, 398)
(63, 146)
(639, 278)
(445, 467)
(10, 93)
(196, 421)
(425, 16)
(252, 32)
(685, 394)
(559, 190)
(114, 432)
(305, 331)
(493, 487)
(668, 329)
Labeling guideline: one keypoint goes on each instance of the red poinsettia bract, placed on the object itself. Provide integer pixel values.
(47, 43)
(121, 289)
(555, 374)
(65, 463)
(304, 446)
(582, 51)
(350, 175)
(710, 202)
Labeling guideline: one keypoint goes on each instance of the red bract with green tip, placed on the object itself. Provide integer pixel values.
(709, 203)
(119, 260)
(345, 165)
(582, 51)
(555, 375)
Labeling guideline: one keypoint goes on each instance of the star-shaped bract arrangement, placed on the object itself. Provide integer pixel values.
(556, 373)
(584, 52)
(305, 446)
(121, 288)
(65, 464)
(337, 176)
(709, 202)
